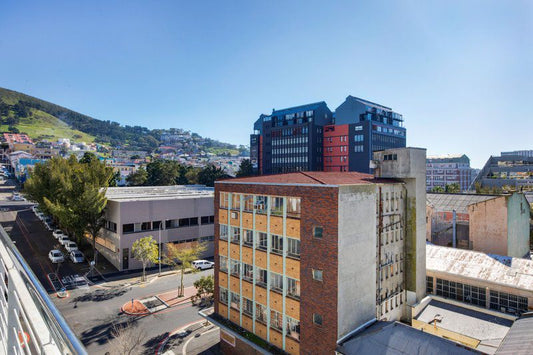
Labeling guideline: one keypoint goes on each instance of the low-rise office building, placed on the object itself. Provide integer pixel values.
(506, 170)
(170, 214)
(303, 259)
(450, 169)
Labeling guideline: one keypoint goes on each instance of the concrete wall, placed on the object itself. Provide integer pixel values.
(357, 256)
(517, 225)
(488, 226)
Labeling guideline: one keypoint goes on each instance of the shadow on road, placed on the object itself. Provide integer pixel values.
(101, 295)
(102, 333)
(152, 344)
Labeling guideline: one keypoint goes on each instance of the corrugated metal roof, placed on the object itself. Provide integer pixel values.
(519, 339)
(503, 270)
(457, 202)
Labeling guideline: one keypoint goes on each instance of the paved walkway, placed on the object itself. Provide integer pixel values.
(170, 298)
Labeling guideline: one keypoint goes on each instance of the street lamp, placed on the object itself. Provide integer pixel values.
(160, 225)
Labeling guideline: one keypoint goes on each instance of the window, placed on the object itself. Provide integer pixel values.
(247, 272)
(223, 263)
(127, 228)
(277, 206)
(317, 319)
(293, 327)
(293, 287)
(247, 306)
(508, 303)
(358, 148)
(276, 320)
(276, 244)
(317, 232)
(358, 128)
(208, 219)
(193, 221)
(146, 226)
(276, 282)
(317, 274)
(261, 277)
(359, 138)
(260, 313)
(223, 232)
(235, 267)
(293, 247)
(262, 241)
(429, 285)
(171, 223)
(157, 225)
(235, 301)
(111, 226)
(223, 200)
(293, 207)
(235, 201)
(223, 295)
(248, 203)
(235, 235)
(248, 237)
(261, 204)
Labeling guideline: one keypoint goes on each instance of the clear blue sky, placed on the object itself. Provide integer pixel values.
(461, 72)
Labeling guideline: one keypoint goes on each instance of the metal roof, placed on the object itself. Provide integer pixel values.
(519, 339)
(457, 202)
(158, 192)
(497, 269)
(395, 338)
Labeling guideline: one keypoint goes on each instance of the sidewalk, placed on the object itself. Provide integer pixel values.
(155, 303)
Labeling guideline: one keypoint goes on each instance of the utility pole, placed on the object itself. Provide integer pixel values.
(159, 256)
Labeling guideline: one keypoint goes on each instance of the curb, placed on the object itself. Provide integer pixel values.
(163, 342)
(133, 314)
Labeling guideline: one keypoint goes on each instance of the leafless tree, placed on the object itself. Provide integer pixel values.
(128, 338)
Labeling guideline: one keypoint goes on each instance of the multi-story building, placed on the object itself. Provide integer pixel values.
(507, 170)
(303, 259)
(448, 169)
(311, 138)
(290, 139)
(170, 214)
(522, 153)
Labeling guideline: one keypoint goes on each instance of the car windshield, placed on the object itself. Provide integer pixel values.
(77, 254)
(56, 253)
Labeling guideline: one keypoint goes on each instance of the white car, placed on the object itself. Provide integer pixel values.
(203, 264)
(63, 239)
(57, 233)
(71, 246)
(56, 256)
(76, 256)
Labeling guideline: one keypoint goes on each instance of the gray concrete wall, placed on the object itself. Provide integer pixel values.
(517, 225)
(357, 256)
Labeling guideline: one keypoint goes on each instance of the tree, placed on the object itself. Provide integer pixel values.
(145, 250)
(245, 169)
(454, 188)
(182, 259)
(209, 174)
(127, 337)
(137, 178)
(204, 289)
(437, 189)
(88, 157)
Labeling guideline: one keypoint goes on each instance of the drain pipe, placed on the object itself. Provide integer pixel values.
(454, 229)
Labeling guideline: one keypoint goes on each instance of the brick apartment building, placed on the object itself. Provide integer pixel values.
(303, 259)
(448, 169)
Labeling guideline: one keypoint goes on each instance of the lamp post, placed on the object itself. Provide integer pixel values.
(159, 256)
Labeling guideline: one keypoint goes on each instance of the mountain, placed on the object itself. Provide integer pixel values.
(44, 120)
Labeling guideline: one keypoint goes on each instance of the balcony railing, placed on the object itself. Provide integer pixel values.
(29, 321)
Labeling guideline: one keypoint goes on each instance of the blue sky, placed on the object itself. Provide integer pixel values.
(461, 72)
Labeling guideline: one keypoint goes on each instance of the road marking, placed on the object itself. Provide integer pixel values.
(184, 352)
(175, 331)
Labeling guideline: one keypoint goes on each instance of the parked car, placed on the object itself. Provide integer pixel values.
(56, 256)
(57, 233)
(63, 239)
(70, 246)
(203, 264)
(76, 256)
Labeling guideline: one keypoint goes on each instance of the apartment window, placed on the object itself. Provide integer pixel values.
(247, 272)
(277, 206)
(262, 241)
(235, 267)
(223, 263)
(276, 320)
(293, 207)
(111, 226)
(429, 284)
(171, 223)
(293, 327)
(261, 204)
(317, 274)
(235, 201)
(317, 232)
(223, 232)
(127, 228)
(248, 203)
(508, 303)
(317, 319)
(260, 313)
(223, 295)
(276, 244)
(193, 221)
(248, 237)
(293, 287)
(223, 200)
(247, 306)
(235, 235)
(235, 301)
(358, 148)
(293, 247)
(276, 282)
(208, 219)
(261, 277)
(358, 128)
(157, 225)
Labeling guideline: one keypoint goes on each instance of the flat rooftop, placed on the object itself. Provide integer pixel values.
(459, 202)
(386, 338)
(311, 178)
(490, 330)
(138, 193)
(502, 270)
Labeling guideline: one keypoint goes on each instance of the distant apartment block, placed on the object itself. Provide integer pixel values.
(312, 138)
(497, 224)
(507, 170)
(448, 169)
(180, 215)
(303, 259)
(521, 153)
